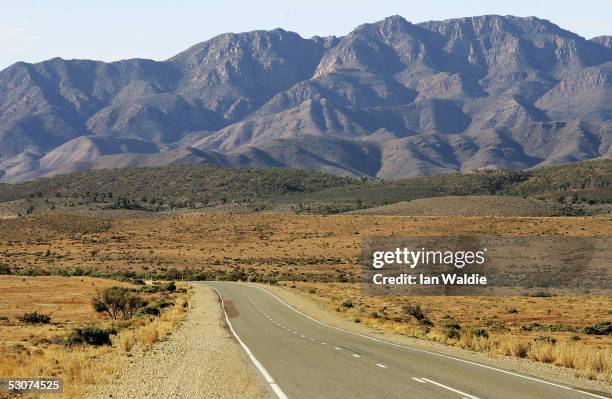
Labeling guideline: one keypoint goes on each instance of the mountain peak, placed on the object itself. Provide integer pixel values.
(462, 93)
(603, 40)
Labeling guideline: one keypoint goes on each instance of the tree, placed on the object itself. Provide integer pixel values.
(118, 302)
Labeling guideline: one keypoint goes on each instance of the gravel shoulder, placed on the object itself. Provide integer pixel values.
(307, 305)
(199, 360)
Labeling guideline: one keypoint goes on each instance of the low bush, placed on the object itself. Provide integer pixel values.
(348, 303)
(453, 326)
(451, 333)
(148, 311)
(512, 346)
(547, 339)
(541, 294)
(418, 313)
(548, 327)
(163, 303)
(5, 269)
(90, 335)
(170, 287)
(118, 302)
(481, 332)
(603, 328)
(35, 318)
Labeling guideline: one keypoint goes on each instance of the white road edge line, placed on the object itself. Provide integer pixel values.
(275, 388)
(419, 380)
(430, 352)
(467, 395)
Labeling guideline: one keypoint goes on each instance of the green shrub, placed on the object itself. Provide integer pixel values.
(481, 332)
(90, 335)
(5, 269)
(163, 303)
(603, 328)
(418, 313)
(170, 287)
(148, 311)
(348, 303)
(415, 311)
(453, 326)
(118, 302)
(35, 318)
(452, 333)
(541, 294)
(547, 339)
(548, 327)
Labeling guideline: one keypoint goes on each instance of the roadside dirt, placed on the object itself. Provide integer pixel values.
(200, 360)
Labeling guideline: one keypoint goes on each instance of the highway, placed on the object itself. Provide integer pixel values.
(301, 357)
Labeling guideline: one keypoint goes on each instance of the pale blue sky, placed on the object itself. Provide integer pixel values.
(35, 30)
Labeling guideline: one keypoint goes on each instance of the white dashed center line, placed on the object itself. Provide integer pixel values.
(324, 343)
(465, 395)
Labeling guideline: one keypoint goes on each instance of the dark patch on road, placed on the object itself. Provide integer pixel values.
(230, 309)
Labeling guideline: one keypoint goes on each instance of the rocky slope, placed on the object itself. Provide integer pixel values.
(391, 99)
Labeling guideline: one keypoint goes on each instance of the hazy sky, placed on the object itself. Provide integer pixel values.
(110, 30)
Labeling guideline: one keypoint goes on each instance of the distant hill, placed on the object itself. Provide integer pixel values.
(470, 205)
(390, 100)
(203, 187)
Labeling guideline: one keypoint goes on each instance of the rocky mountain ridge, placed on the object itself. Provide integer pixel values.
(391, 99)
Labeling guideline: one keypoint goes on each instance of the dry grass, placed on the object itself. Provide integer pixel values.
(80, 366)
(77, 367)
(260, 240)
(303, 246)
(589, 355)
(126, 342)
(66, 300)
(514, 346)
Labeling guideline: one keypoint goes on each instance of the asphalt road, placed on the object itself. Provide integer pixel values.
(301, 357)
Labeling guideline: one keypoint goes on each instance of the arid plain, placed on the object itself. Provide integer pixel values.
(314, 254)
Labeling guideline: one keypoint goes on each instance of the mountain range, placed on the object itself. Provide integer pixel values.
(389, 100)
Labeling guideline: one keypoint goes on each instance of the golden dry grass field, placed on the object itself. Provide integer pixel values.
(318, 255)
(39, 349)
(66, 300)
(205, 241)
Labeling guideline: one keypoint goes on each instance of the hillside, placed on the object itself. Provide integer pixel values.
(390, 100)
(470, 206)
(568, 187)
(187, 183)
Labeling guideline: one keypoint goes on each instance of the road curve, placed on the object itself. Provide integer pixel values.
(301, 357)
